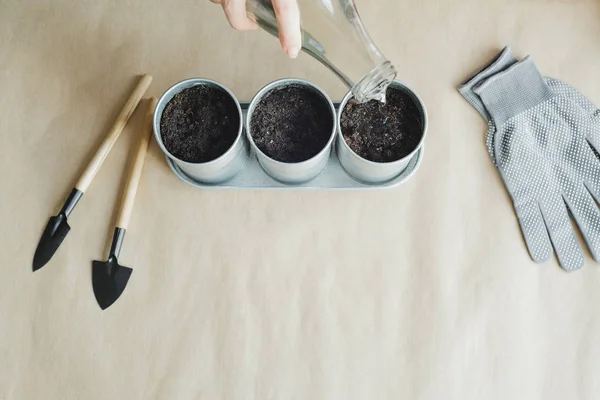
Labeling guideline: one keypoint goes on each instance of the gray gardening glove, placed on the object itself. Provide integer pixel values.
(543, 143)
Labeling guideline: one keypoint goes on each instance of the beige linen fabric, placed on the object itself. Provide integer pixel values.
(422, 292)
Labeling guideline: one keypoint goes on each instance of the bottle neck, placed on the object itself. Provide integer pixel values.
(374, 85)
(371, 86)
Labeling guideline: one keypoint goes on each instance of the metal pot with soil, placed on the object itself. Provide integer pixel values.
(198, 125)
(291, 127)
(377, 141)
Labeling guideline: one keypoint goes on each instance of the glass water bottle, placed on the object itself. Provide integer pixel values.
(333, 33)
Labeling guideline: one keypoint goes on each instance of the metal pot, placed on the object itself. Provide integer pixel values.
(220, 169)
(371, 172)
(291, 173)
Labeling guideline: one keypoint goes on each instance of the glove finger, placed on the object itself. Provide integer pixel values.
(534, 231)
(586, 214)
(558, 223)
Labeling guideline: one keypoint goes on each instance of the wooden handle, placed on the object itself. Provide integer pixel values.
(114, 133)
(135, 173)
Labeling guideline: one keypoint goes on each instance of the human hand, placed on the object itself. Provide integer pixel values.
(288, 21)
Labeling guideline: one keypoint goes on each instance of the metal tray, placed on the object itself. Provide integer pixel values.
(333, 177)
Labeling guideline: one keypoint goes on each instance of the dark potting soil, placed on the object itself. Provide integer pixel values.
(199, 124)
(383, 132)
(292, 124)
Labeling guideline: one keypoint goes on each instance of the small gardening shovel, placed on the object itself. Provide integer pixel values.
(57, 227)
(109, 278)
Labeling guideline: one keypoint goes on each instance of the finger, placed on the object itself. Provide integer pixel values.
(558, 223)
(586, 214)
(288, 20)
(215, 1)
(534, 231)
(235, 10)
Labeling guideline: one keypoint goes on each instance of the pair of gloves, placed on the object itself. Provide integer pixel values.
(544, 138)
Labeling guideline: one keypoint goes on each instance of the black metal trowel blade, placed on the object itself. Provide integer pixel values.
(55, 231)
(53, 236)
(109, 280)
